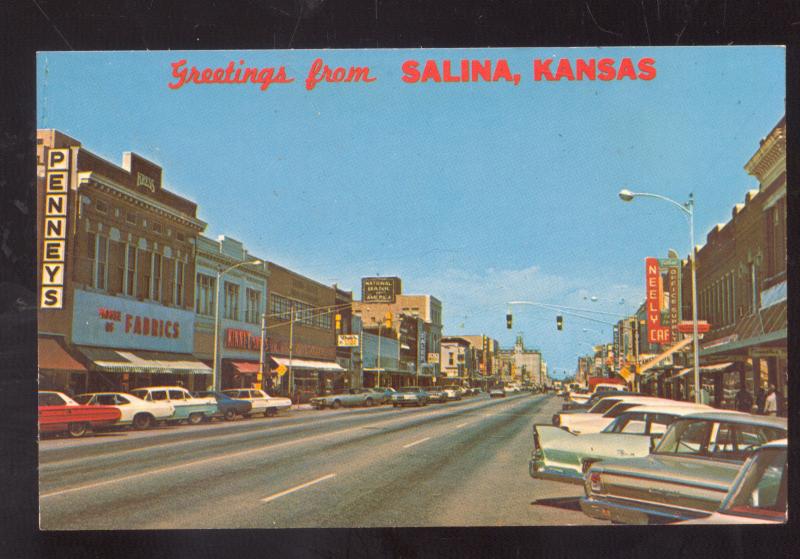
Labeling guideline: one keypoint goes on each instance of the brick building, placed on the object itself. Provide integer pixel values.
(116, 255)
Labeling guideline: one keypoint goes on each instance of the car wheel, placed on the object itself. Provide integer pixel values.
(76, 429)
(142, 421)
(336, 405)
(229, 415)
(271, 412)
(195, 418)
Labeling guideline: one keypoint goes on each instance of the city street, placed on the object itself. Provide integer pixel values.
(457, 464)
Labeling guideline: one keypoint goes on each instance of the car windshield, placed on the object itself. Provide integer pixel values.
(603, 405)
(728, 441)
(83, 399)
(618, 408)
(761, 489)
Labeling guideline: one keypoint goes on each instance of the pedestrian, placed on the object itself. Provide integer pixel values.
(771, 402)
(744, 400)
(761, 397)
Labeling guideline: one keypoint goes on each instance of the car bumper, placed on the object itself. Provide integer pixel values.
(632, 512)
(538, 470)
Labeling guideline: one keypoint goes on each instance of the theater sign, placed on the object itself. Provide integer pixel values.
(115, 322)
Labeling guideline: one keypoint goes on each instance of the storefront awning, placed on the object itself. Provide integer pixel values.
(309, 364)
(660, 357)
(133, 361)
(245, 367)
(53, 357)
(389, 371)
(715, 368)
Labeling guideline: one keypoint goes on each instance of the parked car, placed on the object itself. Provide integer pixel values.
(497, 392)
(133, 411)
(686, 476)
(58, 413)
(187, 407)
(410, 396)
(352, 397)
(227, 407)
(560, 455)
(437, 394)
(759, 494)
(262, 402)
(453, 392)
(594, 422)
(477, 391)
(384, 392)
(575, 407)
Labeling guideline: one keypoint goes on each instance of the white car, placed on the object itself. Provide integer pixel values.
(452, 392)
(187, 407)
(134, 411)
(595, 422)
(262, 402)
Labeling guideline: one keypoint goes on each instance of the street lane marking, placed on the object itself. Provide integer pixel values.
(298, 488)
(409, 445)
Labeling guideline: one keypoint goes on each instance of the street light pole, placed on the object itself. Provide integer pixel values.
(688, 209)
(216, 380)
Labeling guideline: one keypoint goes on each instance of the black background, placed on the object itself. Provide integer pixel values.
(31, 25)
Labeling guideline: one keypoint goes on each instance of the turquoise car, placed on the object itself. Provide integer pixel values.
(187, 407)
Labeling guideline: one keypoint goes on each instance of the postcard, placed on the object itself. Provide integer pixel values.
(411, 288)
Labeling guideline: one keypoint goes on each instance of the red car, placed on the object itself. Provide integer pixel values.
(59, 413)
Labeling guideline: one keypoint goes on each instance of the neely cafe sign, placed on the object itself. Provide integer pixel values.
(54, 235)
(101, 320)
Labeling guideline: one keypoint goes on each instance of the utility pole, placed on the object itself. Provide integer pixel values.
(262, 354)
(291, 349)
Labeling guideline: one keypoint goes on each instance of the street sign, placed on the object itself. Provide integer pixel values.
(347, 340)
(281, 370)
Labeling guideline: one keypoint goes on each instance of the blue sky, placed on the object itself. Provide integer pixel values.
(476, 193)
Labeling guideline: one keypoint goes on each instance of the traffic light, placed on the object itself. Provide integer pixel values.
(508, 321)
(560, 322)
(388, 320)
(338, 322)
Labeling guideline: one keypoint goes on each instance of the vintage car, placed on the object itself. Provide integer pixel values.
(759, 494)
(575, 407)
(596, 422)
(261, 402)
(187, 407)
(228, 408)
(352, 397)
(59, 413)
(497, 392)
(384, 393)
(410, 396)
(453, 392)
(686, 476)
(436, 394)
(560, 455)
(133, 411)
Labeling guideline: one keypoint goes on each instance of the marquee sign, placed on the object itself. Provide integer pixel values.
(54, 234)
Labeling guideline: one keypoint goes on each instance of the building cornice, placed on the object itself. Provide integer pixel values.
(120, 191)
(771, 154)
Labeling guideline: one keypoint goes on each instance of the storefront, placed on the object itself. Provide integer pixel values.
(125, 344)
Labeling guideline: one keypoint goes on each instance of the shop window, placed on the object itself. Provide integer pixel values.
(231, 301)
(206, 293)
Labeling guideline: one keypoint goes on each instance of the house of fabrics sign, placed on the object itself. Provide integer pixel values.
(663, 301)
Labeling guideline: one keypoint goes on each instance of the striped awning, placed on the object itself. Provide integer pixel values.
(715, 368)
(108, 360)
(308, 364)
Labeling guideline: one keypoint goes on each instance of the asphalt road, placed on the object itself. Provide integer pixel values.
(457, 464)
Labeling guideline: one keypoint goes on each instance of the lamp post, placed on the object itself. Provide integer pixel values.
(687, 208)
(215, 376)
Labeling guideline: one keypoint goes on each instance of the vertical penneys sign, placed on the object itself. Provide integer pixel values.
(656, 333)
(54, 232)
